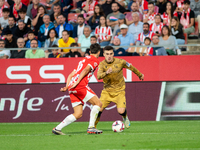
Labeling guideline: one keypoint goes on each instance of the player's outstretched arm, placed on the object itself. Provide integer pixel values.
(85, 71)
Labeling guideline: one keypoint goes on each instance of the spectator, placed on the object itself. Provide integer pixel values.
(119, 51)
(93, 40)
(143, 6)
(116, 32)
(129, 15)
(65, 41)
(149, 50)
(78, 29)
(149, 17)
(19, 53)
(32, 9)
(2, 6)
(167, 16)
(84, 40)
(174, 5)
(31, 36)
(24, 17)
(112, 18)
(74, 51)
(4, 54)
(11, 41)
(50, 4)
(94, 20)
(54, 53)
(52, 39)
(144, 34)
(88, 7)
(195, 6)
(161, 5)
(103, 32)
(11, 26)
(66, 6)
(63, 25)
(126, 38)
(38, 20)
(177, 31)
(42, 34)
(22, 30)
(136, 27)
(55, 14)
(179, 4)
(157, 26)
(14, 9)
(108, 5)
(167, 40)
(34, 52)
(4, 19)
(159, 51)
(187, 18)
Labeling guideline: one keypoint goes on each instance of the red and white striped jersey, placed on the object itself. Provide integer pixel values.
(91, 6)
(103, 33)
(142, 36)
(179, 3)
(88, 60)
(154, 27)
(165, 17)
(151, 18)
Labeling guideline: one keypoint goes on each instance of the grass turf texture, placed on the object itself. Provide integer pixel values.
(179, 135)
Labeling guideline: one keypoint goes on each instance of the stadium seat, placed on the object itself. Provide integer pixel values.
(185, 35)
(72, 17)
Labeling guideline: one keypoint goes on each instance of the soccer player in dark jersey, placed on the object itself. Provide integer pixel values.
(111, 71)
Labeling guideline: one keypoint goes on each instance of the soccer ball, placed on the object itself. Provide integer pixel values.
(118, 126)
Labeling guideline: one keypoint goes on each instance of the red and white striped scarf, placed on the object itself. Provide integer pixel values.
(158, 28)
(180, 3)
(183, 21)
(15, 13)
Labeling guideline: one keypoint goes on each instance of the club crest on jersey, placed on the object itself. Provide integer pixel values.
(127, 64)
(95, 64)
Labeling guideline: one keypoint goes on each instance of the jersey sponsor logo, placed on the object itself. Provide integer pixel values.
(127, 64)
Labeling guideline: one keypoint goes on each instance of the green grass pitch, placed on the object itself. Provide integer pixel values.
(178, 135)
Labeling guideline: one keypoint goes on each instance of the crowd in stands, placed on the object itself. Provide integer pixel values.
(46, 24)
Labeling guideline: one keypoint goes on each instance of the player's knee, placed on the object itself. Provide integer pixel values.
(78, 115)
(122, 111)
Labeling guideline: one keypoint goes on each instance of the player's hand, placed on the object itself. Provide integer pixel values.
(73, 85)
(142, 77)
(109, 71)
(63, 89)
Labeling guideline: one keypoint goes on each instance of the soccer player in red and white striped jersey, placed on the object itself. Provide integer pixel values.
(80, 93)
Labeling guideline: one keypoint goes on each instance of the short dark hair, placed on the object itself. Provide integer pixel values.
(54, 45)
(31, 32)
(81, 16)
(146, 24)
(74, 44)
(56, 5)
(108, 48)
(95, 48)
(93, 36)
(23, 10)
(6, 10)
(147, 38)
(150, 3)
(169, 32)
(186, 2)
(66, 31)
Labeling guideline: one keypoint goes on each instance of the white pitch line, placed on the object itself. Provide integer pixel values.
(172, 133)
